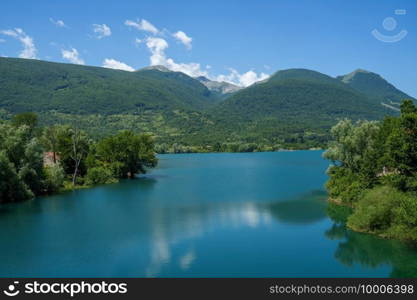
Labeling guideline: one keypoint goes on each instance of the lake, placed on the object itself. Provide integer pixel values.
(198, 215)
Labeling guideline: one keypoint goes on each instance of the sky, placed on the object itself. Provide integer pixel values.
(235, 41)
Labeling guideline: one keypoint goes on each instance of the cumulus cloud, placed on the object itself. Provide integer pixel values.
(183, 38)
(157, 47)
(58, 23)
(142, 25)
(118, 65)
(101, 30)
(244, 79)
(29, 49)
(72, 56)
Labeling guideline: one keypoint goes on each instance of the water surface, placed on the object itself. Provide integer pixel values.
(198, 215)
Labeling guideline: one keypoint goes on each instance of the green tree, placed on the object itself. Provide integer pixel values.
(54, 177)
(73, 146)
(127, 153)
(29, 119)
(22, 162)
(12, 188)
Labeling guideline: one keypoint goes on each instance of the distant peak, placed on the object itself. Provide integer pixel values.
(158, 68)
(361, 71)
(203, 78)
(348, 77)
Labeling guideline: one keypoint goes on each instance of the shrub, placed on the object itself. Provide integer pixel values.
(388, 212)
(99, 175)
(374, 211)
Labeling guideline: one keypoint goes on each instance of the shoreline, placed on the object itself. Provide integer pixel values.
(338, 202)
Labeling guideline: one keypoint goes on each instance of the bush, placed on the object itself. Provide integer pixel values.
(99, 175)
(54, 177)
(388, 212)
(374, 211)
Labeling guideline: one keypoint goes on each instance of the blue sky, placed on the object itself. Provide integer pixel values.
(237, 41)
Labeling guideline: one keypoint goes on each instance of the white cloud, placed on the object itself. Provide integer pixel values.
(58, 23)
(142, 25)
(244, 80)
(2, 41)
(157, 47)
(183, 38)
(101, 30)
(72, 56)
(29, 49)
(118, 65)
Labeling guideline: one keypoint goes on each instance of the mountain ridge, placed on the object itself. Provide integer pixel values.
(291, 107)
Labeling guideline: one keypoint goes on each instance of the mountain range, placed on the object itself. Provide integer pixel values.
(293, 108)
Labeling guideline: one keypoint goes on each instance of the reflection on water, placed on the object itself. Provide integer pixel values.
(367, 250)
(305, 209)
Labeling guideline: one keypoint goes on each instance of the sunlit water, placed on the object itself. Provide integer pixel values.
(198, 215)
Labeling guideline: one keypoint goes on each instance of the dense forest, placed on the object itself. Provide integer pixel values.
(292, 109)
(39, 160)
(374, 171)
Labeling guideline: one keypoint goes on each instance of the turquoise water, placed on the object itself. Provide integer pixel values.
(198, 215)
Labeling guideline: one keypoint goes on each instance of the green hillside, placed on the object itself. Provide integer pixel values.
(296, 104)
(32, 85)
(293, 108)
(374, 86)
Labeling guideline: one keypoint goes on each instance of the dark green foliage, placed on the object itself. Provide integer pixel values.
(377, 175)
(27, 170)
(29, 119)
(127, 154)
(12, 188)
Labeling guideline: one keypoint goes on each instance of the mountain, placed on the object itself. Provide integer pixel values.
(375, 87)
(293, 108)
(39, 86)
(293, 102)
(220, 89)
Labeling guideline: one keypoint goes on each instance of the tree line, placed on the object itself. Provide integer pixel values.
(40, 160)
(374, 171)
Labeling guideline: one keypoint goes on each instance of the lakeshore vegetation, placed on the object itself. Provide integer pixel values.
(39, 160)
(374, 171)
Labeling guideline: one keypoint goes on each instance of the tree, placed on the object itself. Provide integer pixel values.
(12, 188)
(401, 143)
(79, 150)
(352, 143)
(127, 153)
(408, 107)
(73, 146)
(50, 139)
(29, 119)
(21, 166)
(54, 177)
